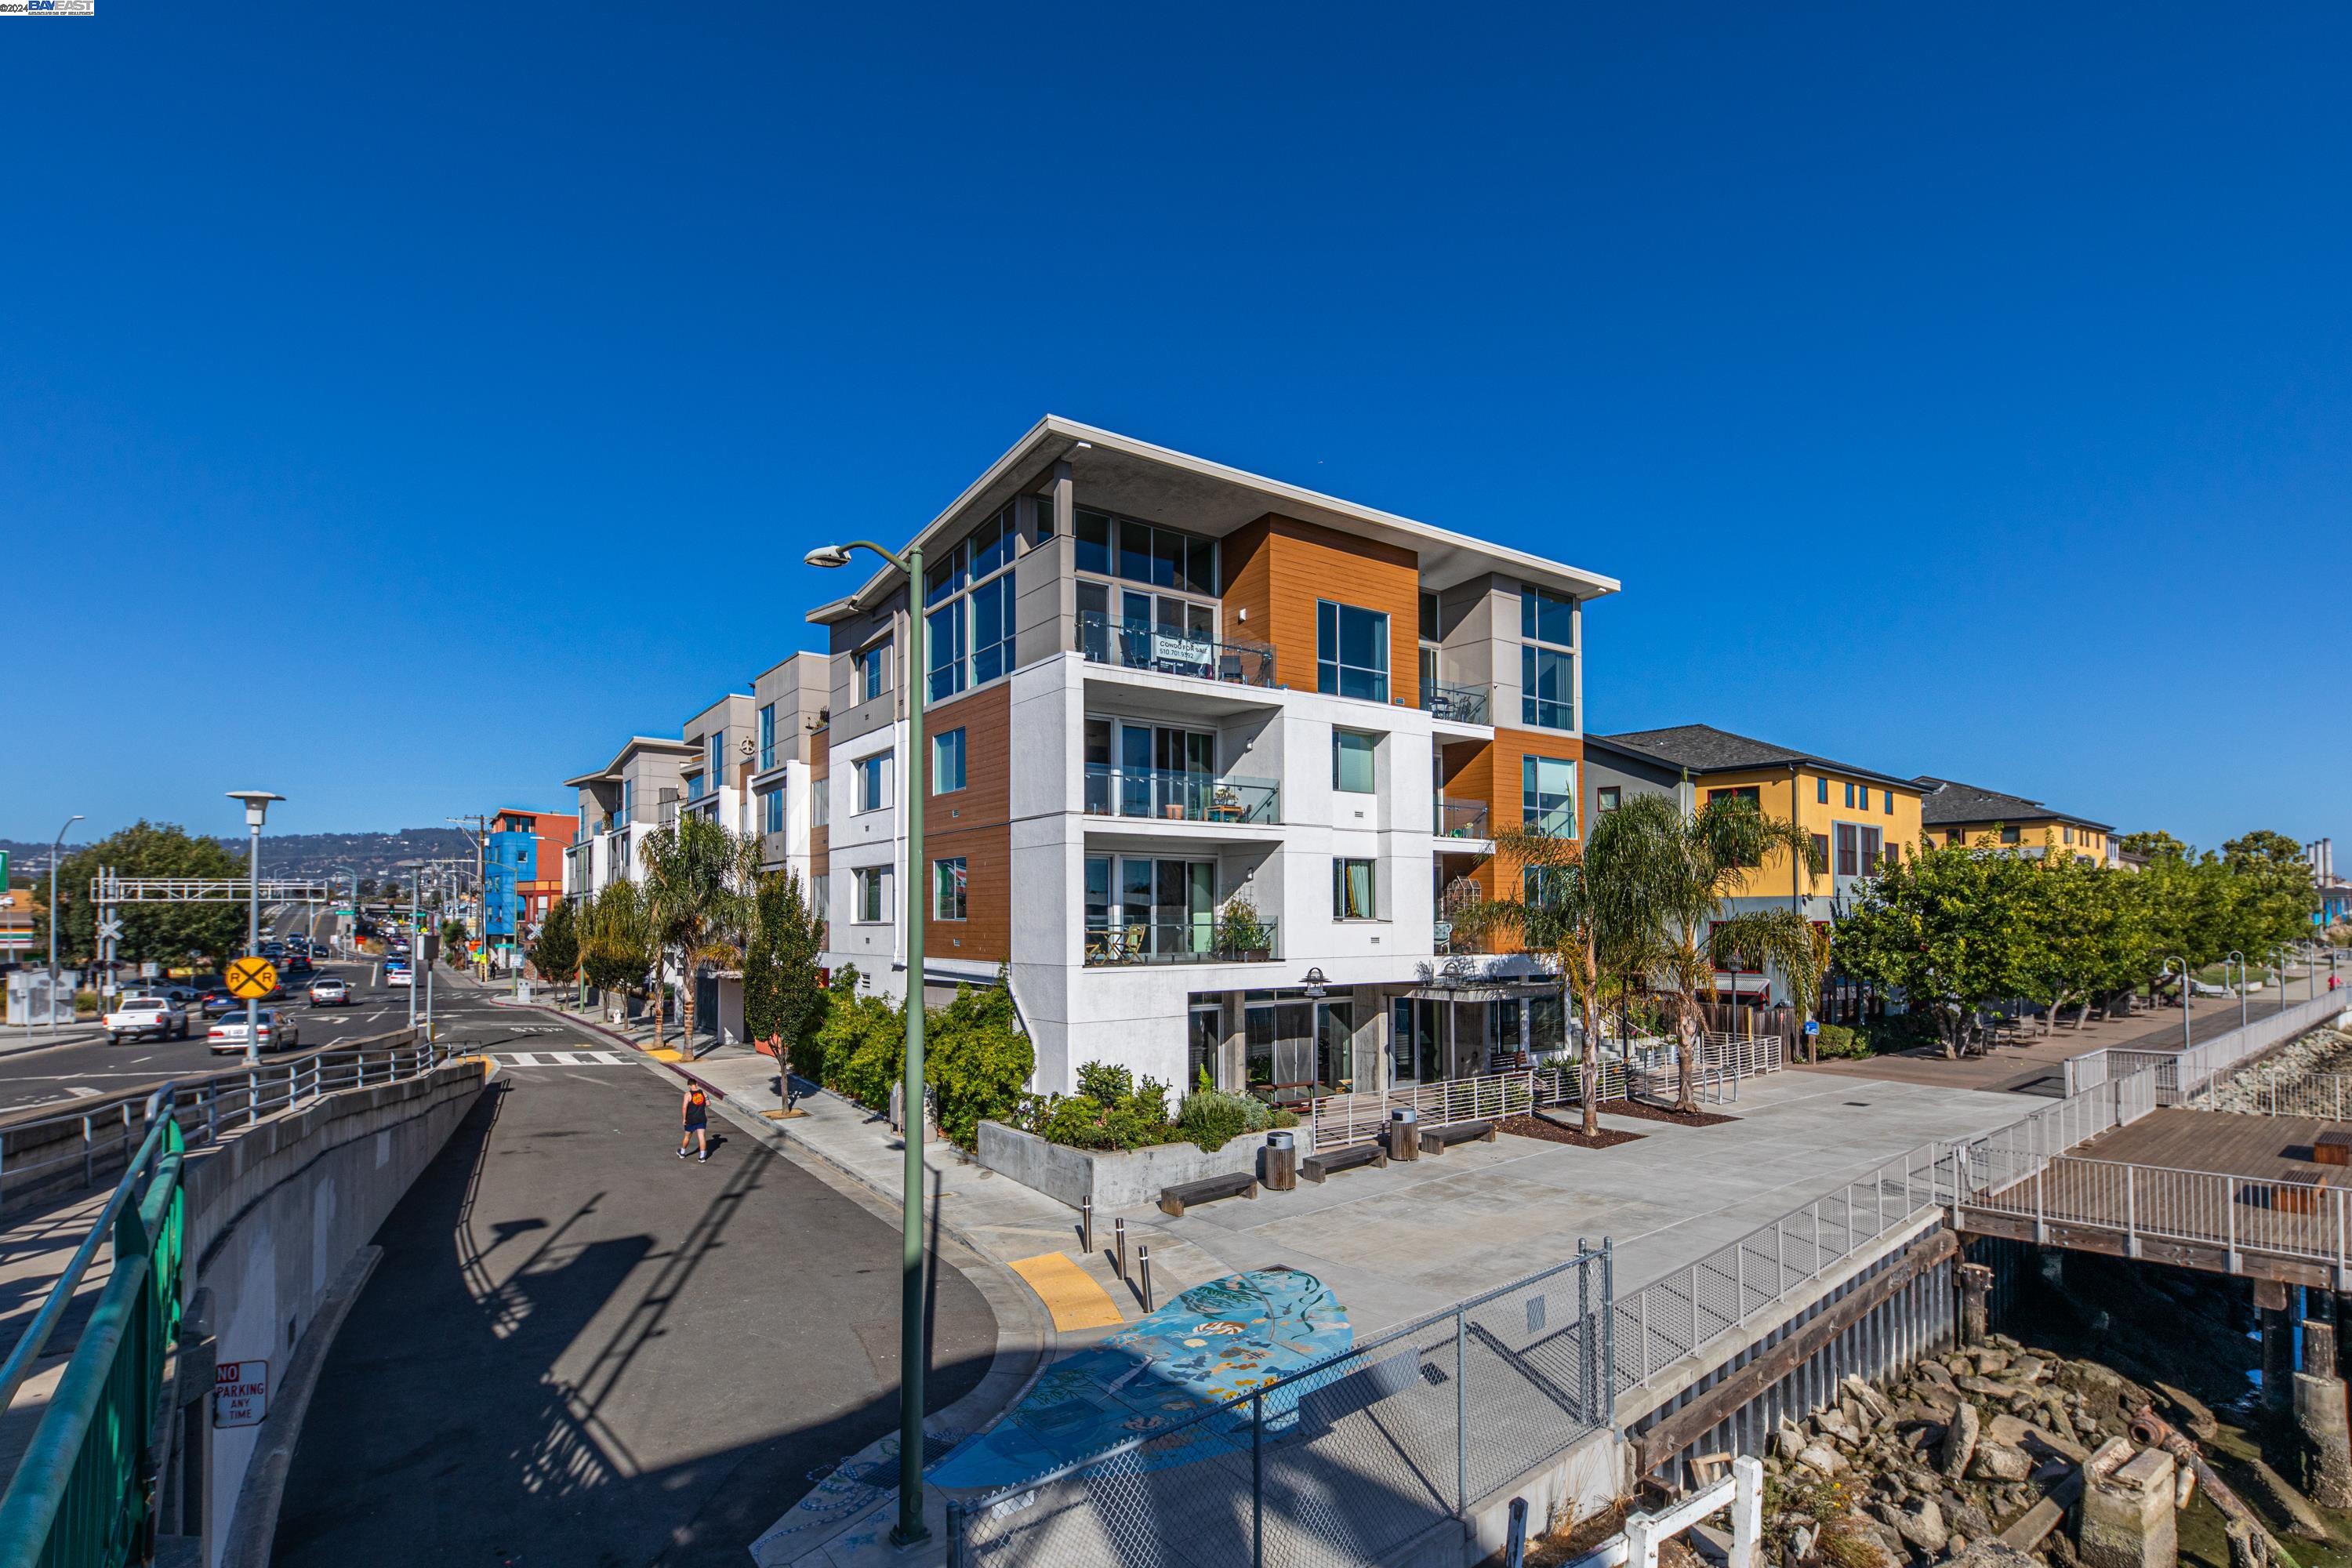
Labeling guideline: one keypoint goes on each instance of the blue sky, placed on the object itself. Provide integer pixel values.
(403, 406)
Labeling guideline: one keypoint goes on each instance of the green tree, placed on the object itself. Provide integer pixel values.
(1668, 885)
(1941, 928)
(2153, 843)
(978, 1063)
(616, 951)
(555, 951)
(453, 943)
(2082, 935)
(783, 997)
(698, 883)
(164, 933)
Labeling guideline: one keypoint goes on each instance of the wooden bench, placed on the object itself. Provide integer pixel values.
(1436, 1140)
(2332, 1148)
(1240, 1184)
(1315, 1167)
(2299, 1193)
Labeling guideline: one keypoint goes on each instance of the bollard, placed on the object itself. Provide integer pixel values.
(1278, 1163)
(1405, 1132)
(1086, 1226)
(1119, 1247)
(1143, 1271)
(1515, 1545)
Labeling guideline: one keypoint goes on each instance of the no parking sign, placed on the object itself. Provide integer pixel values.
(240, 1393)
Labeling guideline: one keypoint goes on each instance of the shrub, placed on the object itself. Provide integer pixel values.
(976, 1061)
(1103, 1082)
(861, 1045)
(1213, 1119)
(1838, 1040)
(1110, 1111)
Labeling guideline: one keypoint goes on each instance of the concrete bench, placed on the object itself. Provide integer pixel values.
(1315, 1167)
(1437, 1139)
(1240, 1184)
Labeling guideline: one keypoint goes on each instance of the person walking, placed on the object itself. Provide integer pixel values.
(695, 1113)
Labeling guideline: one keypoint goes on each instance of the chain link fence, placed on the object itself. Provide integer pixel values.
(1338, 1463)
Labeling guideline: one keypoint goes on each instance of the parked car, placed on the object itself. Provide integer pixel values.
(277, 1034)
(328, 991)
(145, 1018)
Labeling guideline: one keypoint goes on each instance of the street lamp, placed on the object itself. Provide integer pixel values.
(2165, 970)
(256, 807)
(2240, 960)
(911, 1358)
(56, 848)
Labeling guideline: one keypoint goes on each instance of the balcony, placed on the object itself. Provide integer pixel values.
(1457, 704)
(1166, 794)
(1169, 650)
(1204, 940)
(1461, 819)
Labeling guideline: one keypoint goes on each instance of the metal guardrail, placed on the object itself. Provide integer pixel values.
(1340, 1462)
(80, 1495)
(2234, 1215)
(92, 1137)
(1175, 794)
(2184, 1074)
(2323, 1096)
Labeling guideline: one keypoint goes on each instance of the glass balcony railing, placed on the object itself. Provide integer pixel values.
(1200, 940)
(1462, 704)
(1170, 650)
(1168, 796)
(1461, 819)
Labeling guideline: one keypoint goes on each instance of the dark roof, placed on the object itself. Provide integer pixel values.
(1947, 803)
(1704, 749)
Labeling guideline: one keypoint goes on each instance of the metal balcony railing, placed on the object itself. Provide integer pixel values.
(1202, 940)
(1171, 651)
(1461, 819)
(1168, 795)
(1462, 704)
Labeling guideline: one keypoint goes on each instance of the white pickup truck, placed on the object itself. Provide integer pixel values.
(140, 1016)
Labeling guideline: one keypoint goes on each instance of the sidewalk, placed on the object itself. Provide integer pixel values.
(15, 1040)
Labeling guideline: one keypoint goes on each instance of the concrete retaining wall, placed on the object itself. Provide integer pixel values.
(275, 1213)
(1113, 1178)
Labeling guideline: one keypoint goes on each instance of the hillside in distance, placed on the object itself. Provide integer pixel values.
(379, 856)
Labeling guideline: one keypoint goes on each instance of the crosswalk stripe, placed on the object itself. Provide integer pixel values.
(523, 1058)
(560, 1058)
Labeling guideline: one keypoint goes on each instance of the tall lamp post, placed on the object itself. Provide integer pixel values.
(56, 849)
(912, 1358)
(256, 807)
(2240, 960)
(2160, 973)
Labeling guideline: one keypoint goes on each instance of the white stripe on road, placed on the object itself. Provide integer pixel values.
(80, 1091)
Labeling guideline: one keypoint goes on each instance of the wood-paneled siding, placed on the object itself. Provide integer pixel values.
(1279, 567)
(820, 833)
(974, 822)
(1490, 771)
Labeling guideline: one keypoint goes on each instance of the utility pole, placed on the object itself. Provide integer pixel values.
(416, 945)
(56, 849)
(479, 834)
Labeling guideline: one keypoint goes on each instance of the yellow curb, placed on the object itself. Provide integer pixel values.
(666, 1055)
(1069, 1293)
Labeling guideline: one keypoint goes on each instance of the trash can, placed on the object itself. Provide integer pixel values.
(1278, 1163)
(1405, 1132)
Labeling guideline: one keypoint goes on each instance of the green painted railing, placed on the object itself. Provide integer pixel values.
(83, 1495)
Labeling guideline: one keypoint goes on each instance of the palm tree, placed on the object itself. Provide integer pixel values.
(697, 879)
(614, 950)
(1674, 871)
(1565, 904)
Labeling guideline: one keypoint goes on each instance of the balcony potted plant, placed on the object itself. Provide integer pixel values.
(1242, 936)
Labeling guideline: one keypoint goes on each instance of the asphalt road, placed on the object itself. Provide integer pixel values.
(76, 1071)
(582, 1350)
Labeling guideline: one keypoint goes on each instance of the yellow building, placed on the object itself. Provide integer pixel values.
(1957, 813)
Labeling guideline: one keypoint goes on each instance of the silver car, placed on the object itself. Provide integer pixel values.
(277, 1034)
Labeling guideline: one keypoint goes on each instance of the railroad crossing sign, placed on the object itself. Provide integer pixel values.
(251, 979)
(111, 929)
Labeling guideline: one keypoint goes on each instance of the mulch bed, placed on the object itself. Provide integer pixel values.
(1639, 1111)
(1552, 1132)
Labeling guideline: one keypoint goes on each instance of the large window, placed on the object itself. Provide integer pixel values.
(948, 889)
(872, 775)
(1353, 753)
(947, 761)
(1548, 795)
(869, 891)
(1140, 551)
(820, 802)
(1546, 659)
(766, 736)
(1351, 890)
(970, 595)
(869, 671)
(1138, 908)
(1351, 651)
(771, 811)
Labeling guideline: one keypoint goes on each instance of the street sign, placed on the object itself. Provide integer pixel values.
(1812, 1027)
(110, 930)
(240, 1393)
(251, 979)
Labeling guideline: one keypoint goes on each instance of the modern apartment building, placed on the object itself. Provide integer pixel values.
(1202, 752)
(522, 871)
(641, 788)
(792, 705)
(1858, 817)
(717, 777)
(1957, 813)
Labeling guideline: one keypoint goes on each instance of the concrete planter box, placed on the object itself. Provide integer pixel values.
(1113, 1178)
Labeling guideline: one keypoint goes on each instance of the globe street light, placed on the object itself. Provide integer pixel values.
(912, 1358)
(256, 807)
